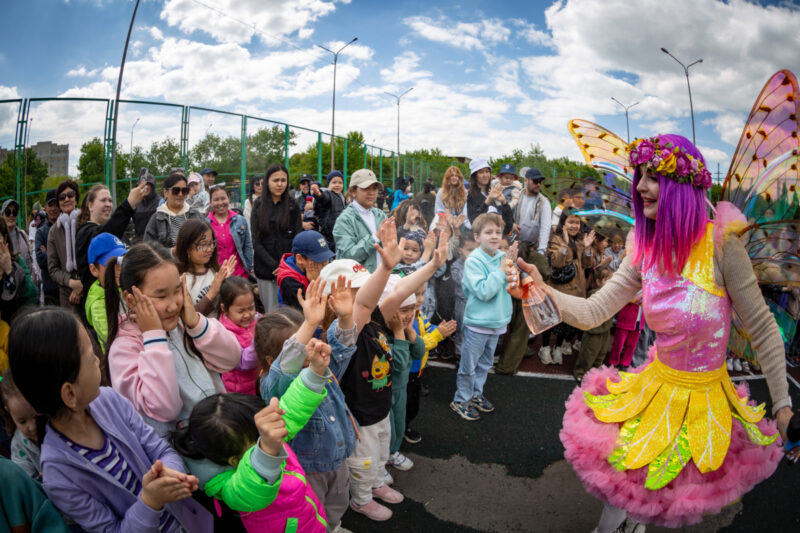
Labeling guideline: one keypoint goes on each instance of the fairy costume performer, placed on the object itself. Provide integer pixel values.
(674, 439)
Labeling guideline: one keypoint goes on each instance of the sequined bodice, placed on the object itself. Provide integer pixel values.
(690, 314)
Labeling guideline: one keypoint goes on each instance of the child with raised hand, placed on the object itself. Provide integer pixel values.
(431, 335)
(237, 312)
(19, 420)
(236, 446)
(367, 381)
(104, 251)
(331, 434)
(406, 346)
(196, 252)
(101, 464)
(486, 315)
(163, 356)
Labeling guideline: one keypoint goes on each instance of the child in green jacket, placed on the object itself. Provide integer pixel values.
(103, 248)
(263, 481)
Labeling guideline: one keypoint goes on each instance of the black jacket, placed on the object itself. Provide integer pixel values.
(269, 247)
(476, 206)
(116, 225)
(158, 227)
(142, 214)
(327, 207)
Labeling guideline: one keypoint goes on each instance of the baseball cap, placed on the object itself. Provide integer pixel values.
(313, 245)
(352, 270)
(363, 178)
(103, 247)
(533, 173)
(306, 177)
(51, 197)
(208, 171)
(507, 168)
(194, 177)
(477, 164)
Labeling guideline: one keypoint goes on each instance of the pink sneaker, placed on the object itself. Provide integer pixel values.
(387, 494)
(372, 510)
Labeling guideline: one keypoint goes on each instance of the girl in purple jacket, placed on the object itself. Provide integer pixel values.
(102, 466)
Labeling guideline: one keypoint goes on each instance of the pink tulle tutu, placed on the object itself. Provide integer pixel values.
(686, 499)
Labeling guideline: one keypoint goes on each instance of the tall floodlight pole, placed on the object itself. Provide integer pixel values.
(333, 106)
(626, 107)
(131, 152)
(398, 124)
(116, 108)
(686, 71)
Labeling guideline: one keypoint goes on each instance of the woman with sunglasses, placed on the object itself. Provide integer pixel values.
(61, 258)
(231, 231)
(166, 222)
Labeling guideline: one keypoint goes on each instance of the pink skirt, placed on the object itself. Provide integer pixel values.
(686, 499)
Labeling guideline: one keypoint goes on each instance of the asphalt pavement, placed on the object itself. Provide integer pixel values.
(507, 473)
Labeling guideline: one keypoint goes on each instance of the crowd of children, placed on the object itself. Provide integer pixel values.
(202, 413)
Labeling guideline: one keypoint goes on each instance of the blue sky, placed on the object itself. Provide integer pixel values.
(488, 77)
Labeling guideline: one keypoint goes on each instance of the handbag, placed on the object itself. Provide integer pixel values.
(562, 275)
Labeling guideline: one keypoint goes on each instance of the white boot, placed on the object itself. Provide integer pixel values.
(544, 355)
(557, 356)
(576, 345)
(566, 348)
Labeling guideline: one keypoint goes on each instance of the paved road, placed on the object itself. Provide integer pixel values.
(506, 472)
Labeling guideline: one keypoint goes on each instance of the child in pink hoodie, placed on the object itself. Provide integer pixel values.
(237, 312)
(163, 356)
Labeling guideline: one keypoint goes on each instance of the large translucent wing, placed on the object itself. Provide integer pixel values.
(774, 196)
(589, 193)
(773, 250)
(769, 134)
(603, 150)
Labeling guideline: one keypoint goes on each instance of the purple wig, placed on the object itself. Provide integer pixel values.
(681, 221)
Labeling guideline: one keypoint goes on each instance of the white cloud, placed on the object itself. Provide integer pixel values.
(405, 69)
(237, 21)
(81, 72)
(466, 35)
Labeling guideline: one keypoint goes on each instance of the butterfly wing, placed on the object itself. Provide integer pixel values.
(608, 223)
(604, 151)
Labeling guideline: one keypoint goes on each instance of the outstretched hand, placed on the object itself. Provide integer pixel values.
(389, 249)
(341, 298)
(440, 254)
(314, 302)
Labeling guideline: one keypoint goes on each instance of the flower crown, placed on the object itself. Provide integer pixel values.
(670, 161)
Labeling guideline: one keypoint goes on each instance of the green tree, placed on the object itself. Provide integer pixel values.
(163, 156)
(92, 163)
(32, 175)
(265, 147)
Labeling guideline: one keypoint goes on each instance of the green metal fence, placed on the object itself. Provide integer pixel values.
(298, 143)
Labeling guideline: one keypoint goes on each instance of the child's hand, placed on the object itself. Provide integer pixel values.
(189, 481)
(225, 271)
(271, 427)
(588, 239)
(440, 255)
(430, 240)
(390, 250)
(158, 489)
(319, 356)
(145, 312)
(447, 328)
(189, 314)
(314, 302)
(341, 297)
(396, 325)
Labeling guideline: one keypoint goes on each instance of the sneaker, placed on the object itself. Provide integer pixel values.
(558, 356)
(745, 367)
(566, 348)
(737, 365)
(482, 404)
(387, 477)
(400, 462)
(465, 410)
(412, 436)
(372, 510)
(387, 494)
(544, 355)
(576, 345)
(729, 364)
(340, 529)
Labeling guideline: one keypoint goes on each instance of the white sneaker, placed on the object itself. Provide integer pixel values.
(387, 477)
(566, 349)
(729, 364)
(544, 355)
(557, 356)
(576, 345)
(737, 365)
(400, 461)
(745, 367)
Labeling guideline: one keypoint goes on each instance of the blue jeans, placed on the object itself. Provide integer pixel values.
(477, 356)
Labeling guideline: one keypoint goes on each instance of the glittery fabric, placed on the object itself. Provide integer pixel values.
(680, 408)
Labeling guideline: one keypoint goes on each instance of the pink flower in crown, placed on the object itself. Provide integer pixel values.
(656, 161)
(644, 152)
(683, 167)
(695, 165)
(703, 179)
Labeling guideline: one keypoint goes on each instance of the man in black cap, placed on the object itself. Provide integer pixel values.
(304, 191)
(209, 176)
(49, 287)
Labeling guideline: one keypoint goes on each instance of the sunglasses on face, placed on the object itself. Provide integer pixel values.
(180, 191)
(66, 194)
(11, 212)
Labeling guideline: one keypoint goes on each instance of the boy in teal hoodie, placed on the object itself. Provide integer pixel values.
(103, 248)
(487, 313)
